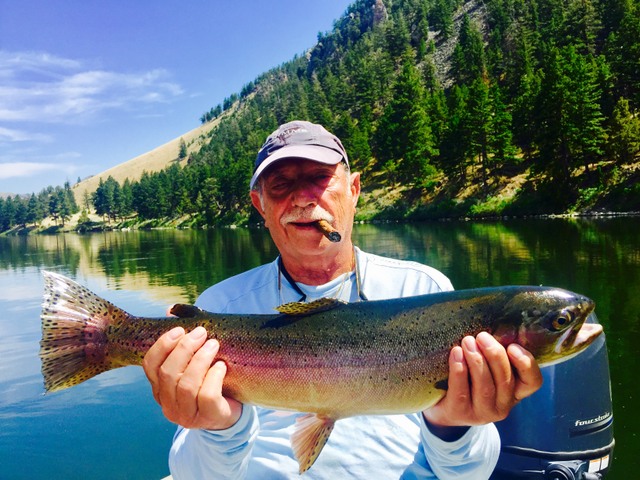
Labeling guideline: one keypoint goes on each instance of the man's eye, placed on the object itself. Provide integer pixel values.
(279, 186)
(324, 177)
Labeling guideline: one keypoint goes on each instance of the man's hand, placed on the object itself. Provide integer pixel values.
(186, 384)
(485, 382)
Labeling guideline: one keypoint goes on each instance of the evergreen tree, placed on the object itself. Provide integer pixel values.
(103, 198)
(456, 138)
(500, 129)
(65, 207)
(623, 53)
(571, 132)
(478, 121)
(624, 139)
(404, 134)
(441, 17)
(582, 26)
(468, 61)
(35, 210)
(182, 150)
(21, 211)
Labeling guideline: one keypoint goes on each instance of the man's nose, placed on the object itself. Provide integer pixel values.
(303, 195)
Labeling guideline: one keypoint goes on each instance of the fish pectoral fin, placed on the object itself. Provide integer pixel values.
(311, 433)
(302, 308)
(183, 310)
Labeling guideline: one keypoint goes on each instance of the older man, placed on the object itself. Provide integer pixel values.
(302, 175)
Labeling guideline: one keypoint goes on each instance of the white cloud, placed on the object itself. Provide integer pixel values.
(29, 169)
(43, 88)
(12, 135)
(24, 169)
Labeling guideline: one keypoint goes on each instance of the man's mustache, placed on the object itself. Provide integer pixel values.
(306, 214)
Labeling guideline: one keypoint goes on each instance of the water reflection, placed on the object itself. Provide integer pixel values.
(143, 272)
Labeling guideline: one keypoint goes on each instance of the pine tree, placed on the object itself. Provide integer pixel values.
(35, 211)
(623, 53)
(624, 138)
(581, 26)
(500, 129)
(441, 17)
(404, 137)
(456, 139)
(479, 118)
(571, 132)
(468, 61)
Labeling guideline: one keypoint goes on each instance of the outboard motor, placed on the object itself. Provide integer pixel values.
(565, 430)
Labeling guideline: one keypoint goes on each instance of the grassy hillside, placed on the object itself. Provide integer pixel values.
(153, 161)
(454, 108)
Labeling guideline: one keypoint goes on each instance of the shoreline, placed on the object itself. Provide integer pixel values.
(175, 224)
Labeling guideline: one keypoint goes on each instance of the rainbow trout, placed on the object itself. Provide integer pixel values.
(327, 358)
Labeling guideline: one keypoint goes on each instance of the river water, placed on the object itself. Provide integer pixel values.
(110, 427)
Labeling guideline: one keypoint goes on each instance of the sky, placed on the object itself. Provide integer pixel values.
(89, 84)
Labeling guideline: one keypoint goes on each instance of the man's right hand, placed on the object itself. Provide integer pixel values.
(187, 383)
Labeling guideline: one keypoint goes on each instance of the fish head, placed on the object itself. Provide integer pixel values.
(550, 323)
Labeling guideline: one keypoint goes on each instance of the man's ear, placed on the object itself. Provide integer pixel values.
(355, 187)
(256, 200)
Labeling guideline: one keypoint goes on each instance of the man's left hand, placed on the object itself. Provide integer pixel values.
(485, 382)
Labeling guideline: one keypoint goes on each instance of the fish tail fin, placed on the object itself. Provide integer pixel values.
(75, 343)
(309, 437)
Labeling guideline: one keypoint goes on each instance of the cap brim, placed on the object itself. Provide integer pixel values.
(308, 152)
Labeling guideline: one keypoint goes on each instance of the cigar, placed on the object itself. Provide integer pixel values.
(328, 231)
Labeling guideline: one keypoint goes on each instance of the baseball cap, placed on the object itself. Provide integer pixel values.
(299, 139)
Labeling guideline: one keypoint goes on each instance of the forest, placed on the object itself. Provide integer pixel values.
(430, 97)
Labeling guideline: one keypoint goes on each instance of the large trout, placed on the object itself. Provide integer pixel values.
(328, 358)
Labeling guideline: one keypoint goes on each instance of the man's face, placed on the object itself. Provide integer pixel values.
(295, 193)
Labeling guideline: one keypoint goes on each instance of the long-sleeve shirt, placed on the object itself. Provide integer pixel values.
(384, 446)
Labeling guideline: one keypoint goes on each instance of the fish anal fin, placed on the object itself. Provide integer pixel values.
(183, 310)
(309, 437)
(302, 308)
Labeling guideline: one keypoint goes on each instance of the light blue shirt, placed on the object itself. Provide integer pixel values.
(368, 447)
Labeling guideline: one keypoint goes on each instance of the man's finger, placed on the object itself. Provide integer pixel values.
(193, 377)
(158, 353)
(529, 375)
(501, 371)
(176, 363)
(483, 389)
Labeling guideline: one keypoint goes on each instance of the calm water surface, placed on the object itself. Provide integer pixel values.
(111, 428)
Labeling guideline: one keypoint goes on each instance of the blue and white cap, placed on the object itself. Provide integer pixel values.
(299, 139)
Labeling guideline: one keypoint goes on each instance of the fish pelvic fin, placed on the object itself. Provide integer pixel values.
(75, 341)
(309, 437)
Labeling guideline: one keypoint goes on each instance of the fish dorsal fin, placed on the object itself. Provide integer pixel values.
(302, 308)
(309, 436)
(183, 310)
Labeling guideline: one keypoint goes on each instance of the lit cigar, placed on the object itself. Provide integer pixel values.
(328, 231)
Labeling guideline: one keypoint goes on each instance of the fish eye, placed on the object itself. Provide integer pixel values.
(562, 320)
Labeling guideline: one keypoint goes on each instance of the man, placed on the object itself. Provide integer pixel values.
(302, 175)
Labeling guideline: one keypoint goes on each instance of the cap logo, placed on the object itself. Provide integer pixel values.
(288, 132)
(282, 138)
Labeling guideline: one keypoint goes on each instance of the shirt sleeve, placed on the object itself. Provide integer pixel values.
(472, 457)
(198, 454)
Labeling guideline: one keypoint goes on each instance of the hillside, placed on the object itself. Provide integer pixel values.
(455, 108)
(153, 161)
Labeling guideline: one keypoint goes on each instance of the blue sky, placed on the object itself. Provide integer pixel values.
(88, 84)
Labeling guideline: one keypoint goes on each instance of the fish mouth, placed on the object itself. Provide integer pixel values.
(576, 340)
(586, 335)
